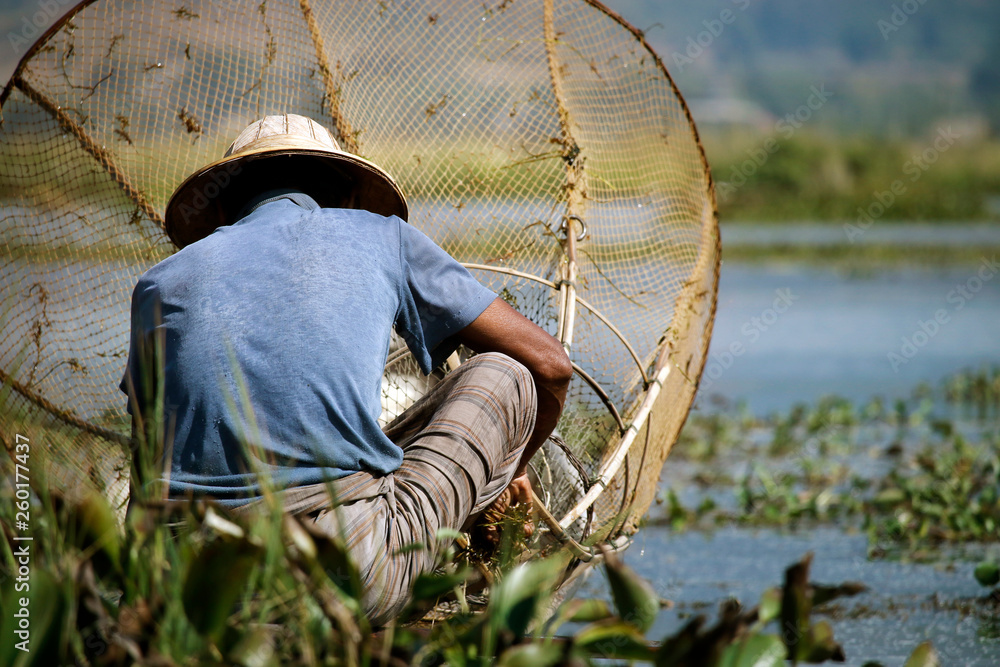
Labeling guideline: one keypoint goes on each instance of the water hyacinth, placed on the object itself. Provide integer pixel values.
(925, 473)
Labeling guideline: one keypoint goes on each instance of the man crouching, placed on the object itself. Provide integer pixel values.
(262, 343)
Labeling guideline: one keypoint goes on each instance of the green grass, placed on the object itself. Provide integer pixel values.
(860, 257)
(813, 176)
(194, 585)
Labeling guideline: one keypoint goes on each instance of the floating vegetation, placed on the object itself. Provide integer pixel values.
(917, 476)
(988, 573)
(976, 390)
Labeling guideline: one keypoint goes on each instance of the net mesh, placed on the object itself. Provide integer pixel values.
(541, 142)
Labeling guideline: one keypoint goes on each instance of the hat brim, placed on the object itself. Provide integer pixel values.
(212, 196)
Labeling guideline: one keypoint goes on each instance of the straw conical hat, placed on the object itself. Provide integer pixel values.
(288, 146)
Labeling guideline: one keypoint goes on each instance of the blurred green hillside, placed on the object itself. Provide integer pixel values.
(897, 67)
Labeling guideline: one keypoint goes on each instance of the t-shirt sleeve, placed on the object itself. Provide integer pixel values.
(439, 298)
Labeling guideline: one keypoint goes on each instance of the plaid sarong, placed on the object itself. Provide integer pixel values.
(461, 445)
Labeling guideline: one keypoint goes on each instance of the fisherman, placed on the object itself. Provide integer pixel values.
(257, 353)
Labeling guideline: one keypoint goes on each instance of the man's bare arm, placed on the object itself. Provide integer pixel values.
(500, 328)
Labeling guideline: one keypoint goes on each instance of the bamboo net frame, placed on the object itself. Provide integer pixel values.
(542, 142)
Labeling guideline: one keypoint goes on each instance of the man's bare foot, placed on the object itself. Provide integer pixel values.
(517, 493)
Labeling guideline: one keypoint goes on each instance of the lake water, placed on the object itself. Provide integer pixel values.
(800, 332)
(791, 332)
(906, 604)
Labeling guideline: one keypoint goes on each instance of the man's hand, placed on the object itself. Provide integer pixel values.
(520, 490)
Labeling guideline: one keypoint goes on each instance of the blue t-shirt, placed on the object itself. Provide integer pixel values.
(276, 333)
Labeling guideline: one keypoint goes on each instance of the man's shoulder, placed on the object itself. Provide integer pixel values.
(316, 223)
(359, 216)
(167, 265)
(321, 225)
(335, 225)
(177, 269)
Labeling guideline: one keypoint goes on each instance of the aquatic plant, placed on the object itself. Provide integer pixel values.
(977, 390)
(925, 472)
(193, 584)
(987, 573)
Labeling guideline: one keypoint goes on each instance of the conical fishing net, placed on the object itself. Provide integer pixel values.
(541, 142)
